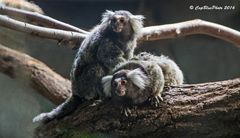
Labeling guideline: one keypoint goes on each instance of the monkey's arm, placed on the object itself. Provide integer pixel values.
(110, 55)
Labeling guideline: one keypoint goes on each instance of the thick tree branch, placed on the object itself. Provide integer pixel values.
(71, 38)
(30, 71)
(201, 110)
(189, 28)
(39, 19)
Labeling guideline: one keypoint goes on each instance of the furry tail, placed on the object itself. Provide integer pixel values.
(61, 111)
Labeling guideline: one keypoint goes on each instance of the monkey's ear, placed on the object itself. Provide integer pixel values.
(139, 18)
(138, 77)
(137, 22)
(107, 15)
(106, 82)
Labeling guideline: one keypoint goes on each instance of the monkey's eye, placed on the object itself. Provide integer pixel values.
(123, 82)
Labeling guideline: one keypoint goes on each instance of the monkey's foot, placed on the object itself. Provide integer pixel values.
(43, 118)
(155, 100)
(125, 111)
(167, 87)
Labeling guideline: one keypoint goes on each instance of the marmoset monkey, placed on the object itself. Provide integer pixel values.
(134, 82)
(108, 44)
(140, 79)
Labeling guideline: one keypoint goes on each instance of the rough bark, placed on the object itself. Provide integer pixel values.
(32, 72)
(200, 110)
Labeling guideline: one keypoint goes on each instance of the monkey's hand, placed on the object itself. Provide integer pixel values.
(125, 111)
(155, 100)
(43, 118)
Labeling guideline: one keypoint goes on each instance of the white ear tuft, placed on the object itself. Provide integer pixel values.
(106, 82)
(107, 15)
(138, 77)
(139, 18)
(137, 22)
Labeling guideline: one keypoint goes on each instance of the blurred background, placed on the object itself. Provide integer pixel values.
(202, 58)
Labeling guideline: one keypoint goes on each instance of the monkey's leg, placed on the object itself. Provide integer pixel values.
(158, 84)
(62, 110)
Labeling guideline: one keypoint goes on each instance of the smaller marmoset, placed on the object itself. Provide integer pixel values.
(140, 79)
(134, 82)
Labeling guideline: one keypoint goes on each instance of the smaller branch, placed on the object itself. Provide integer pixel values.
(39, 19)
(189, 28)
(22, 4)
(72, 38)
(147, 34)
(40, 77)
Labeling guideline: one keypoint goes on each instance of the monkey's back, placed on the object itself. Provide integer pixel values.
(172, 73)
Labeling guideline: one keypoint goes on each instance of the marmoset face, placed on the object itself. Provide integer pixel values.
(127, 83)
(120, 83)
(120, 22)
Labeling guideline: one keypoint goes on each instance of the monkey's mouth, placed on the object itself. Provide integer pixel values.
(117, 28)
(121, 92)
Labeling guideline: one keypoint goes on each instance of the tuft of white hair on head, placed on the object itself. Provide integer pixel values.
(106, 15)
(106, 82)
(137, 23)
(138, 78)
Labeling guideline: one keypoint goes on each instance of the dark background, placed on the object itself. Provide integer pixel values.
(202, 58)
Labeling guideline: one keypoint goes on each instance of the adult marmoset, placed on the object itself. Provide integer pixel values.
(108, 44)
(135, 82)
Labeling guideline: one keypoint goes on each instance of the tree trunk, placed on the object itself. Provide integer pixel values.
(194, 110)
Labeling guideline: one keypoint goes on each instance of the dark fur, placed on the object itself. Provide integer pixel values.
(98, 54)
